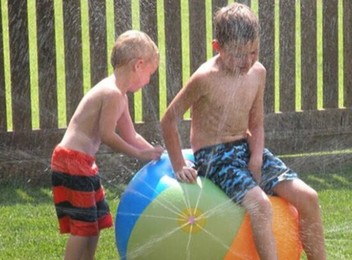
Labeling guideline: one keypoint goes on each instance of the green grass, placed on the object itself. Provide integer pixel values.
(29, 227)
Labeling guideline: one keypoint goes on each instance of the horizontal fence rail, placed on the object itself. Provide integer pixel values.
(52, 52)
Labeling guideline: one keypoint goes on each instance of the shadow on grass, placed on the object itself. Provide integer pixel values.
(22, 193)
(17, 192)
(338, 180)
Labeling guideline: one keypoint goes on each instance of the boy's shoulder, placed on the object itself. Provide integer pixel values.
(258, 67)
(206, 69)
(105, 90)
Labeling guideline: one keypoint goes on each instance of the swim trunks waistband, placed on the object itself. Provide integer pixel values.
(224, 145)
(73, 162)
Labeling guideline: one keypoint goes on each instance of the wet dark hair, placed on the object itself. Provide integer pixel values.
(236, 23)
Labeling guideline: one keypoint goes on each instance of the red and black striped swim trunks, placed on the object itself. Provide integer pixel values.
(78, 194)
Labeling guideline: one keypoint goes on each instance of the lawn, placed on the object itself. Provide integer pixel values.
(29, 227)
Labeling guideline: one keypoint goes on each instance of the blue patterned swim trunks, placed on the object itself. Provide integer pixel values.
(226, 165)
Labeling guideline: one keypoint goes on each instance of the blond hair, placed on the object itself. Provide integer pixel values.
(132, 45)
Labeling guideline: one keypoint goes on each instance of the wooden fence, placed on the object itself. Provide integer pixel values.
(319, 120)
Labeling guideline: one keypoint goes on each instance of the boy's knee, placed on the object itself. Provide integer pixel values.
(311, 197)
(257, 202)
(308, 201)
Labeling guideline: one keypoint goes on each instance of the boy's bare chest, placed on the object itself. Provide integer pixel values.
(231, 97)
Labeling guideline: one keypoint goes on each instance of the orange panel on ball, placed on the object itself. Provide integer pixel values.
(285, 229)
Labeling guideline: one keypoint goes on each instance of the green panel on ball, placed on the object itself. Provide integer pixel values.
(186, 221)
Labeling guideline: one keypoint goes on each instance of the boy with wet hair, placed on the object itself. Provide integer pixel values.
(78, 194)
(226, 96)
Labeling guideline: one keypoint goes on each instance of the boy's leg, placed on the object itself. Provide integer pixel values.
(259, 209)
(79, 247)
(75, 247)
(305, 199)
(91, 248)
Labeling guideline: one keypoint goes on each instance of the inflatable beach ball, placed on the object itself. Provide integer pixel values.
(161, 218)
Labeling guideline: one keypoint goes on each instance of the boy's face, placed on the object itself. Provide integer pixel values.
(239, 58)
(145, 69)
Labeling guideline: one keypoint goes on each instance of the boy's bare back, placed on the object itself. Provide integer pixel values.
(98, 111)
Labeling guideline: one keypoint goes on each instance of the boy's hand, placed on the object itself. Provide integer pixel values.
(151, 154)
(186, 174)
(255, 167)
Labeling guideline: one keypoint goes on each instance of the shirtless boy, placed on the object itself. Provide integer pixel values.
(78, 194)
(226, 95)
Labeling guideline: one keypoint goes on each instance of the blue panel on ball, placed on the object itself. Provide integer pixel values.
(148, 183)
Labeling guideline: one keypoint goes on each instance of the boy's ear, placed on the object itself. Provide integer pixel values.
(216, 46)
(138, 64)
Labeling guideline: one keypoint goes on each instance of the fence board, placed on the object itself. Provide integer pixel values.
(3, 119)
(73, 55)
(197, 33)
(97, 39)
(287, 55)
(19, 58)
(123, 22)
(216, 4)
(309, 131)
(123, 16)
(308, 54)
(246, 2)
(347, 52)
(47, 65)
(286, 133)
(267, 50)
(24, 152)
(330, 54)
(173, 48)
(150, 94)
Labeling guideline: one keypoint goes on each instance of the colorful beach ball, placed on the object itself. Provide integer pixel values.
(161, 218)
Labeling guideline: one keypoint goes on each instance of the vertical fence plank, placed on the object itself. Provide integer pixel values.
(47, 65)
(216, 4)
(173, 50)
(3, 117)
(19, 58)
(123, 22)
(287, 55)
(330, 53)
(197, 33)
(98, 45)
(309, 54)
(267, 49)
(150, 94)
(347, 52)
(246, 2)
(123, 16)
(73, 55)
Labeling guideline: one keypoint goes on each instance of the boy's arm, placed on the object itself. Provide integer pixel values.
(128, 132)
(113, 108)
(256, 128)
(179, 105)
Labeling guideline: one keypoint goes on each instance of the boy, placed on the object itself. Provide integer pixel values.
(226, 95)
(78, 195)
